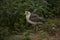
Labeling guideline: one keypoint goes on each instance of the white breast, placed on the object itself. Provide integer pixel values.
(27, 18)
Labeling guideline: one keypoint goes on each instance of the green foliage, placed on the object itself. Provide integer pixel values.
(49, 27)
(26, 36)
(43, 35)
(12, 13)
(4, 33)
(26, 33)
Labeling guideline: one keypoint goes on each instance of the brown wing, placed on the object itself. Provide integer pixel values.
(36, 18)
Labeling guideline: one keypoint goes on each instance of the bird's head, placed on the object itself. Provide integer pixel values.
(27, 13)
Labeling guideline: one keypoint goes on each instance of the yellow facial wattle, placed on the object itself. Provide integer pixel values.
(26, 12)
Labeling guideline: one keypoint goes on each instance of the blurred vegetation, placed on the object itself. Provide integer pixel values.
(26, 36)
(43, 35)
(12, 19)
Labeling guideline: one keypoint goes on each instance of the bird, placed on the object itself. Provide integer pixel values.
(34, 19)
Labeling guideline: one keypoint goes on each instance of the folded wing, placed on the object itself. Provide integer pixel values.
(36, 18)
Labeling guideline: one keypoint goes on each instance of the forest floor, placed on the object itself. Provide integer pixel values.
(54, 36)
(36, 36)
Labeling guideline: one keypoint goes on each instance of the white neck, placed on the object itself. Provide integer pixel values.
(27, 16)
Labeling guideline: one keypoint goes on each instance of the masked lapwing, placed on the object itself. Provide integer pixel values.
(34, 19)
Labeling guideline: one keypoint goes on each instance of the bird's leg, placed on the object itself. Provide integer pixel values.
(33, 27)
(39, 27)
(36, 28)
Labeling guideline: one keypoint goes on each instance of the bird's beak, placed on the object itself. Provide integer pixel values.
(25, 12)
